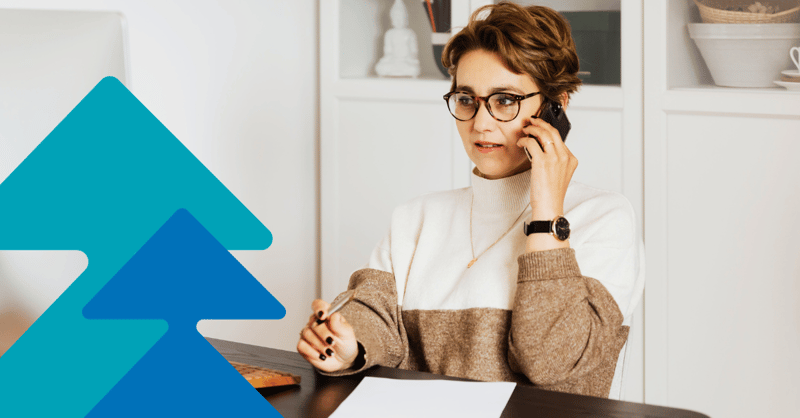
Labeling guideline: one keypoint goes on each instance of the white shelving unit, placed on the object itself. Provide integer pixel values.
(687, 85)
(722, 325)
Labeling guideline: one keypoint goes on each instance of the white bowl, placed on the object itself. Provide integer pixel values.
(745, 55)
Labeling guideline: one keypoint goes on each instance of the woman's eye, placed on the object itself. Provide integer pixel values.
(505, 100)
(464, 101)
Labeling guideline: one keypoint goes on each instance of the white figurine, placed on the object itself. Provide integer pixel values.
(399, 46)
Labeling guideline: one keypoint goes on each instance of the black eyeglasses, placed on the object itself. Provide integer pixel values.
(502, 106)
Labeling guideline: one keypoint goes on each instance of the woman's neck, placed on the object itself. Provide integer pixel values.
(503, 195)
(522, 168)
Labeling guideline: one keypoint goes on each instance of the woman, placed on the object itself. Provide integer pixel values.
(457, 287)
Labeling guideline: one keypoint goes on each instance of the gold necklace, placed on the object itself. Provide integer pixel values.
(472, 247)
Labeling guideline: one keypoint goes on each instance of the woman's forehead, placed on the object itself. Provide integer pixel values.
(483, 72)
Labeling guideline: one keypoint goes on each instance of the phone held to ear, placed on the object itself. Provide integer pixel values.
(554, 114)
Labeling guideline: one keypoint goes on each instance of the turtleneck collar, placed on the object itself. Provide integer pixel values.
(506, 195)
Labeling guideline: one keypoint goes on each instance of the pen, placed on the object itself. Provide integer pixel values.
(348, 296)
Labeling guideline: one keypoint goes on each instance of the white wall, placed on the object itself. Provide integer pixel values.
(236, 82)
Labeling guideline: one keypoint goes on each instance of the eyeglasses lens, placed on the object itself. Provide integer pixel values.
(504, 107)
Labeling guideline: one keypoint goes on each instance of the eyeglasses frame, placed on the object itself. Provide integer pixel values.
(485, 99)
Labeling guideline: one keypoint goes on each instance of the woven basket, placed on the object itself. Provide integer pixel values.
(713, 11)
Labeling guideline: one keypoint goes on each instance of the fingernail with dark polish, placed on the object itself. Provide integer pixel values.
(329, 340)
(322, 357)
(319, 314)
(319, 321)
(330, 352)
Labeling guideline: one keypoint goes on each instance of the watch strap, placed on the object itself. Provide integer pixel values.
(538, 227)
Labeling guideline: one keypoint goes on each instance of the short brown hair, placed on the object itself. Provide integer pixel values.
(533, 40)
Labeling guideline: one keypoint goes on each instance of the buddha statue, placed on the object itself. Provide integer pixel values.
(399, 46)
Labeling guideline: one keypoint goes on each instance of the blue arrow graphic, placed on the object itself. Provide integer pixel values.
(182, 275)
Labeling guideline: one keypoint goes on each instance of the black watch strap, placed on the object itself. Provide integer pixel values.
(538, 226)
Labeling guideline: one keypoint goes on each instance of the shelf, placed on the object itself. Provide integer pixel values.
(360, 29)
(727, 100)
(362, 25)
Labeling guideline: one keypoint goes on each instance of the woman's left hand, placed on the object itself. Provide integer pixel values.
(552, 167)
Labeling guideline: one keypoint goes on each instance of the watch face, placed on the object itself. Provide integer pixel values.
(561, 228)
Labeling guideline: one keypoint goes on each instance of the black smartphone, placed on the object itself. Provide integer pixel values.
(553, 113)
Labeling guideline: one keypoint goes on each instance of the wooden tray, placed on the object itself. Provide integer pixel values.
(261, 377)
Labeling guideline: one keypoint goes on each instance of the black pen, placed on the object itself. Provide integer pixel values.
(348, 296)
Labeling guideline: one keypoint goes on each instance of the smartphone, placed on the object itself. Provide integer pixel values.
(553, 113)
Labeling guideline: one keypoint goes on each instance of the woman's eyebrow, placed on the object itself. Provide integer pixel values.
(498, 89)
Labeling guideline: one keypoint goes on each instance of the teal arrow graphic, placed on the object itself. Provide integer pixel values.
(102, 182)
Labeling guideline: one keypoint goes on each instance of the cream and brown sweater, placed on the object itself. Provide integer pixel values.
(513, 316)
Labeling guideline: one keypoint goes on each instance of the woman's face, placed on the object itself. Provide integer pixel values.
(481, 73)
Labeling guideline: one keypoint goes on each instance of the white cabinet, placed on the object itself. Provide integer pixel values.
(386, 140)
(722, 197)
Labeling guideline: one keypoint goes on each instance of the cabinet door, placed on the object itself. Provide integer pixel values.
(377, 155)
(731, 266)
(722, 194)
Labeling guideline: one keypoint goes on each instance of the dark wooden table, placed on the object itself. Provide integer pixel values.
(318, 396)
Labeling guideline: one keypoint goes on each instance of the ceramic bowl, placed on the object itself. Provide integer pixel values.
(745, 55)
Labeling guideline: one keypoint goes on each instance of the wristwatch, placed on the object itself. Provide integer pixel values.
(559, 227)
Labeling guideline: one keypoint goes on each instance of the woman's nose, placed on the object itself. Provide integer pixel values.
(484, 121)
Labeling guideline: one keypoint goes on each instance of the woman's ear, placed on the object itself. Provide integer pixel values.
(564, 100)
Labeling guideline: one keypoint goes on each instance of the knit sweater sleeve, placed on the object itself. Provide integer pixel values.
(376, 321)
(566, 329)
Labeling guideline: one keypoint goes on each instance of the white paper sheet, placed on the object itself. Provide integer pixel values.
(390, 398)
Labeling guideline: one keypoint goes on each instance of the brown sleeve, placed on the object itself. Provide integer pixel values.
(375, 318)
(566, 329)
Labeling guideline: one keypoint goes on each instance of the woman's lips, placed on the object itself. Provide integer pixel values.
(487, 147)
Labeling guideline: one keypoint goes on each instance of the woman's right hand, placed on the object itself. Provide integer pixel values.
(329, 346)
